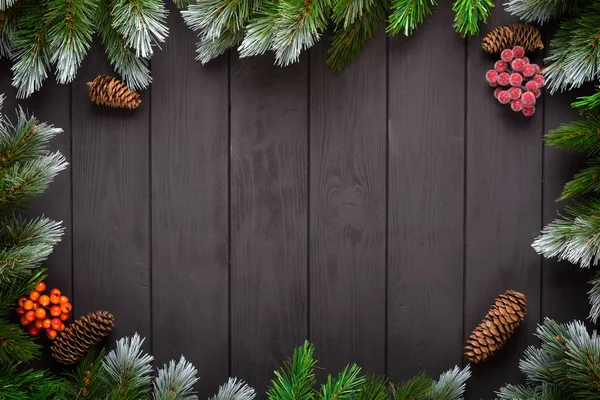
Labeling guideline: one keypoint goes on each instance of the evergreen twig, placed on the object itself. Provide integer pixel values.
(176, 381)
(540, 11)
(468, 14)
(235, 389)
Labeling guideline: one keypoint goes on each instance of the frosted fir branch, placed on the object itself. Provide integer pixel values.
(70, 35)
(235, 389)
(142, 23)
(134, 70)
(451, 385)
(259, 32)
(534, 365)
(585, 182)
(594, 296)
(540, 11)
(129, 369)
(18, 231)
(19, 262)
(176, 381)
(6, 4)
(209, 49)
(182, 3)
(406, 15)
(212, 18)
(7, 34)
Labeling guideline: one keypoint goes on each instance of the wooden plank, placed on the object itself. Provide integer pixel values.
(268, 215)
(503, 212)
(426, 190)
(189, 208)
(111, 244)
(348, 208)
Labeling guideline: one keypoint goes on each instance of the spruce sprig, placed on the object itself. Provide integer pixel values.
(176, 381)
(468, 14)
(541, 11)
(588, 103)
(580, 136)
(16, 344)
(407, 15)
(88, 380)
(585, 182)
(345, 387)
(296, 379)
(29, 384)
(235, 389)
(417, 387)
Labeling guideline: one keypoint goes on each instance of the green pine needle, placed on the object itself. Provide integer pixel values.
(579, 136)
(182, 3)
(235, 389)
(16, 344)
(259, 32)
(417, 387)
(176, 381)
(468, 14)
(586, 181)
(296, 379)
(29, 384)
(88, 380)
(6, 4)
(588, 103)
(407, 14)
(8, 27)
(345, 387)
(375, 387)
(540, 11)
(594, 296)
(451, 385)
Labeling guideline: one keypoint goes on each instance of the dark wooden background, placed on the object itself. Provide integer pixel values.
(244, 208)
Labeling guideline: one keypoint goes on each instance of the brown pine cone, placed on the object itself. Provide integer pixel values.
(81, 336)
(109, 91)
(509, 36)
(500, 322)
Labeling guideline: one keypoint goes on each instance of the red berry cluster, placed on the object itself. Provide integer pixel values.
(517, 81)
(37, 310)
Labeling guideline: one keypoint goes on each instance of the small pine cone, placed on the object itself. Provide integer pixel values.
(509, 36)
(500, 322)
(109, 91)
(81, 336)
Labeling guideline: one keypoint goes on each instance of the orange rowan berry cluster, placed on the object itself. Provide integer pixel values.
(39, 311)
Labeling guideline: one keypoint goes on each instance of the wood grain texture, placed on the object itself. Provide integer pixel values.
(348, 208)
(425, 192)
(268, 215)
(503, 212)
(189, 208)
(111, 197)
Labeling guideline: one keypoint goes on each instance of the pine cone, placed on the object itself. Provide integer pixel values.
(109, 91)
(509, 36)
(82, 335)
(500, 322)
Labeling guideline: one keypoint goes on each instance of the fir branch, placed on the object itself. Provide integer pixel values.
(259, 32)
(19, 262)
(128, 370)
(183, 3)
(213, 17)
(345, 387)
(6, 4)
(296, 379)
(134, 70)
(375, 387)
(540, 11)
(586, 181)
(574, 237)
(142, 23)
(407, 14)
(70, 35)
(26, 179)
(235, 389)
(88, 380)
(468, 14)
(574, 54)
(347, 42)
(209, 49)
(588, 103)
(580, 136)
(31, 49)
(346, 12)
(8, 27)
(451, 384)
(417, 387)
(20, 232)
(16, 344)
(298, 27)
(9, 294)
(176, 381)
(594, 296)
(29, 384)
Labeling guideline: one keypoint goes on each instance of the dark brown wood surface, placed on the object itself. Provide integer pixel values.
(244, 208)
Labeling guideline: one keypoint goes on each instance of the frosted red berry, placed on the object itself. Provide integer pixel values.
(536, 93)
(516, 105)
(497, 92)
(518, 64)
(515, 79)
(515, 93)
(507, 55)
(536, 68)
(503, 79)
(491, 76)
(500, 66)
(526, 60)
(504, 97)
(531, 86)
(528, 111)
(518, 51)
(540, 80)
(528, 71)
(528, 99)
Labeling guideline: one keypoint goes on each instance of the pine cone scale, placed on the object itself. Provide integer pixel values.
(509, 36)
(109, 91)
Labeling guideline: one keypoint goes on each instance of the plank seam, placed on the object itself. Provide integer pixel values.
(387, 203)
(229, 269)
(308, 198)
(465, 193)
(150, 227)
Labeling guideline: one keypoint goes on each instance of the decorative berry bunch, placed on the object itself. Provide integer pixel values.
(39, 311)
(517, 81)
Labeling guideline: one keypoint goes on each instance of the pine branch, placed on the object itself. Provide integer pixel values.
(209, 49)
(468, 14)
(8, 27)
(183, 3)
(407, 14)
(212, 18)
(235, 389)
(134, 70)
(31, 48)
(347, 41)
(575, 237)
(541, 392)
(10, 293)
(88, 380)
(346, 12)
(16, 344)
(70, 35)
(585, 182)
(588, 103)
(296, 379)
(298, 27)
(594, 296)
(29, 384)
(417, 387)
(345, 387)
(6, 4)
(451, 384)
(579, 136)
(129, 370)
(259, 32)
(176, 381)
(19, 262)
(142, 23)
(374, 388)
(540, 11)
(574, 55)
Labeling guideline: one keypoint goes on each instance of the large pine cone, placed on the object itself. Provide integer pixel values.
(109, 91)
(500, 322)
(509, 36)
(81, 336)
